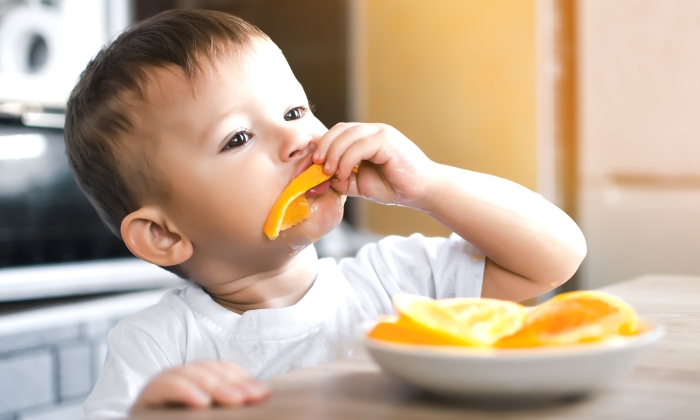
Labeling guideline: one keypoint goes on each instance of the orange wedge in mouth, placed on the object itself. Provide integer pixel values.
(292, 208)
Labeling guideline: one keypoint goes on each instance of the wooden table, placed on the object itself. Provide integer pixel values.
(664, 385)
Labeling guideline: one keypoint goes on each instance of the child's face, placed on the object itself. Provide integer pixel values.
(227, 146)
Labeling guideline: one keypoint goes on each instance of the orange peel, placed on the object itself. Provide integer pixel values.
(567, 319)
(575, 317)
(292, 208)
(398, 330)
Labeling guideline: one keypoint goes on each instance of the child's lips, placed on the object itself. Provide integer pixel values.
(318, 189)
(306, 164)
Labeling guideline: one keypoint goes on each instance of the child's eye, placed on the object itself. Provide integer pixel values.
(239, 139)
(295, 113)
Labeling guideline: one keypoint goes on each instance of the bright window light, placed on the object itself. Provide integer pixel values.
(22, 146)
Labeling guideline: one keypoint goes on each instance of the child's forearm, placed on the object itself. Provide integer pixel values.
(531, 246)
(516, 228)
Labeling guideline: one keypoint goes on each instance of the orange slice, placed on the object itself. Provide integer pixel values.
(395, 329)
(575, 317)
(297, 211)
(466, 321)
(292, 201)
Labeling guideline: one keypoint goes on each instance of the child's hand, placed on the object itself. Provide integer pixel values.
(531, 246)
(201, 385)
(393, 170)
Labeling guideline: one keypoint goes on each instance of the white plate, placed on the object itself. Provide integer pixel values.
(549, 372)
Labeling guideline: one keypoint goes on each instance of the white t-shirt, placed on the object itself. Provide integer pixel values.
(187, 325)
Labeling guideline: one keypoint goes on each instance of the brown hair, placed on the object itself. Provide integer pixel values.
(100, 109)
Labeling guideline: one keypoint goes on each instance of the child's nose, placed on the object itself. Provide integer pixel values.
(296, 144)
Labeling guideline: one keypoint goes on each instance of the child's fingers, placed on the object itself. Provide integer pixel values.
(207, 380)
(251, 390)
(346, 186)
(213, 383)
(365, 149)
(200, 385)
(219, 381)
(165, 390)
(236, 381)
(327, 139)
(258, 391)
(225, 369)
(341, 144)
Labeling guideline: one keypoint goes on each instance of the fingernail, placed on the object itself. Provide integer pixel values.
(202, 397)
(233, 394)
(327, 167)
(258, 389)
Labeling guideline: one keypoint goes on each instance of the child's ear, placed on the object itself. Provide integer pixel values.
(152, 237)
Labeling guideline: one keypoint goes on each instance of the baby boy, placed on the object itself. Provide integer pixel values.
(184, 132)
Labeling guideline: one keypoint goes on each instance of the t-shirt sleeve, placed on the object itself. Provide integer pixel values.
(429, 266)
(133, 358)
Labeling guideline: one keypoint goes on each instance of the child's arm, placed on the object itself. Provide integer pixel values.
(201, 385)
(531, 246)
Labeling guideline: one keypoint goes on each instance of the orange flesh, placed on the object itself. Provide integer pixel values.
(292, 208)
(297, 212)
(292, 200)
(570, 318)
(392, 329)
(461, 321)
(576, 317)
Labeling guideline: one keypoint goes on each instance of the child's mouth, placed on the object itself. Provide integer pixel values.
(318, 189)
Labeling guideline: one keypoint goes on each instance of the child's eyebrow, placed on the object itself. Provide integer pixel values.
(227, 112)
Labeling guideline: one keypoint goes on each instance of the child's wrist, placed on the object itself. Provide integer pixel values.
(435, 177)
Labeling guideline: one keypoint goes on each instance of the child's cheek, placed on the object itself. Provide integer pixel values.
(326, 213)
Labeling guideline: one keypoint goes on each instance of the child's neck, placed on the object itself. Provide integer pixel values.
(273, 289)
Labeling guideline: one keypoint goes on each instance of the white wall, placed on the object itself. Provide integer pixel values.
(639, 139)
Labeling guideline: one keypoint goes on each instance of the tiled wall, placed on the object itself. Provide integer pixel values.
(50, 358)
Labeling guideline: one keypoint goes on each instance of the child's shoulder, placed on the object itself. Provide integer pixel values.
(416, 244)
(418, 264)
(168, 314)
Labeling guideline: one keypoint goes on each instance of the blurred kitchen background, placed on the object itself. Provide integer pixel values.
(595, 104)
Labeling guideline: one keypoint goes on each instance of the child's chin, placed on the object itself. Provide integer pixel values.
(326, 214)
